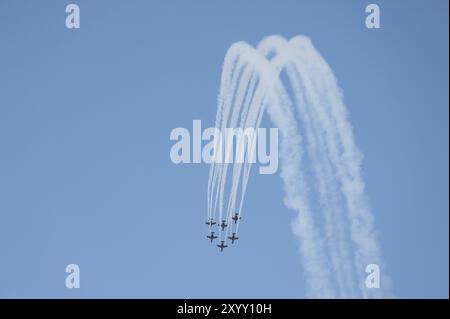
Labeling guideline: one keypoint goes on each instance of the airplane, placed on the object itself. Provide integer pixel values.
(236, 217)
(223, 225)
(222, 246)
(233, 238)
(211, 236)
(210, 222)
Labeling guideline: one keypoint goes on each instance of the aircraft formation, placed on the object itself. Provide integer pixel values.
(222, 227)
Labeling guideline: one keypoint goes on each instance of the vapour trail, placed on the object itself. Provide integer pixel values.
(219, 171)
(225, 95)
(346, 158)
(334, 157)
(284, 58)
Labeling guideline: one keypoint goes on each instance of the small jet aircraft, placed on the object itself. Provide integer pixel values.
(210, 222)
(211, 236)
(222, 246)
(236, 217)
(233, 238)
(223, 225)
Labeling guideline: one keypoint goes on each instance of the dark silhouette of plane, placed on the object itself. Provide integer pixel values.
(222, 246)
(233, 238)
(236, 217)
(210, 222)
(223, 225)
(211, 236)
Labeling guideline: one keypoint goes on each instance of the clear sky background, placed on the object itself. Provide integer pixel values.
(85, 118)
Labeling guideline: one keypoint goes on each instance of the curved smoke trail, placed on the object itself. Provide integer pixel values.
(251, 85)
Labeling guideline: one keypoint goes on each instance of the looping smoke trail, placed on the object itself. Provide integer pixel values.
(250, 86)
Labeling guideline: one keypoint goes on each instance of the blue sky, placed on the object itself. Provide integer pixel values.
(85, 118)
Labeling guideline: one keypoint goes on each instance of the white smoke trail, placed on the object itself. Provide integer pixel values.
(249, 83)
(225, 95)
(347, 159)
(284, 58)
(218, 172)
